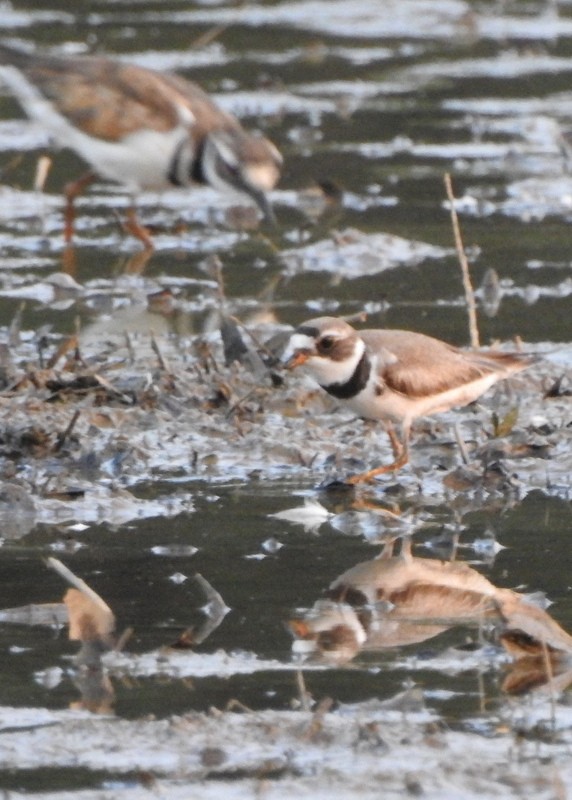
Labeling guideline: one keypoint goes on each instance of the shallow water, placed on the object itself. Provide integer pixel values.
(382, 105)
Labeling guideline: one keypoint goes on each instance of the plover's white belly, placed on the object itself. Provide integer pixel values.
(140, 161)
(373, 404)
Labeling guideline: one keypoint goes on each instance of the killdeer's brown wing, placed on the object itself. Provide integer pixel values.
(109, 100)
(419, 366)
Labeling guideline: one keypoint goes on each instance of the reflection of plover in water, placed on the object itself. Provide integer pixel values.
(138, 127)
(393, 601)
(394, 375)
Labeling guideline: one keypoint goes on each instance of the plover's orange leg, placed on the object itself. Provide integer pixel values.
(134, 227)
(71, 191)
(396, 444)
(401, 451)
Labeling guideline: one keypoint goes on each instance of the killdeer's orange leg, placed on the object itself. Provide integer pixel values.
(71, 191)
(134, 227)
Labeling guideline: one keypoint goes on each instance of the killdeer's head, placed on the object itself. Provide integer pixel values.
(244, 162)
(329, 348)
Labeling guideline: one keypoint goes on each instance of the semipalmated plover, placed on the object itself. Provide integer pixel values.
(395, 375)
(141, 128)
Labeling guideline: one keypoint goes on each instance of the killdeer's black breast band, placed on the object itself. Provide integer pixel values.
(357, 382)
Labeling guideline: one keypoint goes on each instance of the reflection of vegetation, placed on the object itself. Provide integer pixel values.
(92, 623)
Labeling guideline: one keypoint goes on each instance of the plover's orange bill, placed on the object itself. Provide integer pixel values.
(394, 375)
(141, 128)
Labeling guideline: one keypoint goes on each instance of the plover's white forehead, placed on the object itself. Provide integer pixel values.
(302, 341)
(263, 176)
(298, 341)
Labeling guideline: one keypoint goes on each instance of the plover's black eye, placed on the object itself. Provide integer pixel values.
(326, 343)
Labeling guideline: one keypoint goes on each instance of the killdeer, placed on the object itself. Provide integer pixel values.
(395, 375)
(138, 127)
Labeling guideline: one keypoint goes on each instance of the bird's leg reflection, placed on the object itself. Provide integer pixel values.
(136, 263)
(72, 191)
(132, 225)
(69, 260)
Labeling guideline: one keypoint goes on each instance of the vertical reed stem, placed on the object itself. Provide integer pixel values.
(467, 285)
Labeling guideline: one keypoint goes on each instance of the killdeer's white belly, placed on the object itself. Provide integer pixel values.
(141, 160)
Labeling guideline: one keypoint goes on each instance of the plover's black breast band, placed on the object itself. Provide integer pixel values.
(175, 165)
(357, 382)
(197, 173)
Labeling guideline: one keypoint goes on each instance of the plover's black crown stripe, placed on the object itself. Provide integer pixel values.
(357, 382)
(308, 330)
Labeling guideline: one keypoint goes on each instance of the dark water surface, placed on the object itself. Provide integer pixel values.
(261, 593)
(382, 100)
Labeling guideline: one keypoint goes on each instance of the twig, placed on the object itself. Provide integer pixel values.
(62, 437)
(302, 691)
(461, 444)
(236, 705)
(359, 316)
(42, 168)
(16, 326)
(123, 639)
(549, 683)
(215, 268)
(208, 37)
(467, 285)
(257, 343)
(163, 365)
(77, 355)
(130, 350)
(242, 400)
(109, 387)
